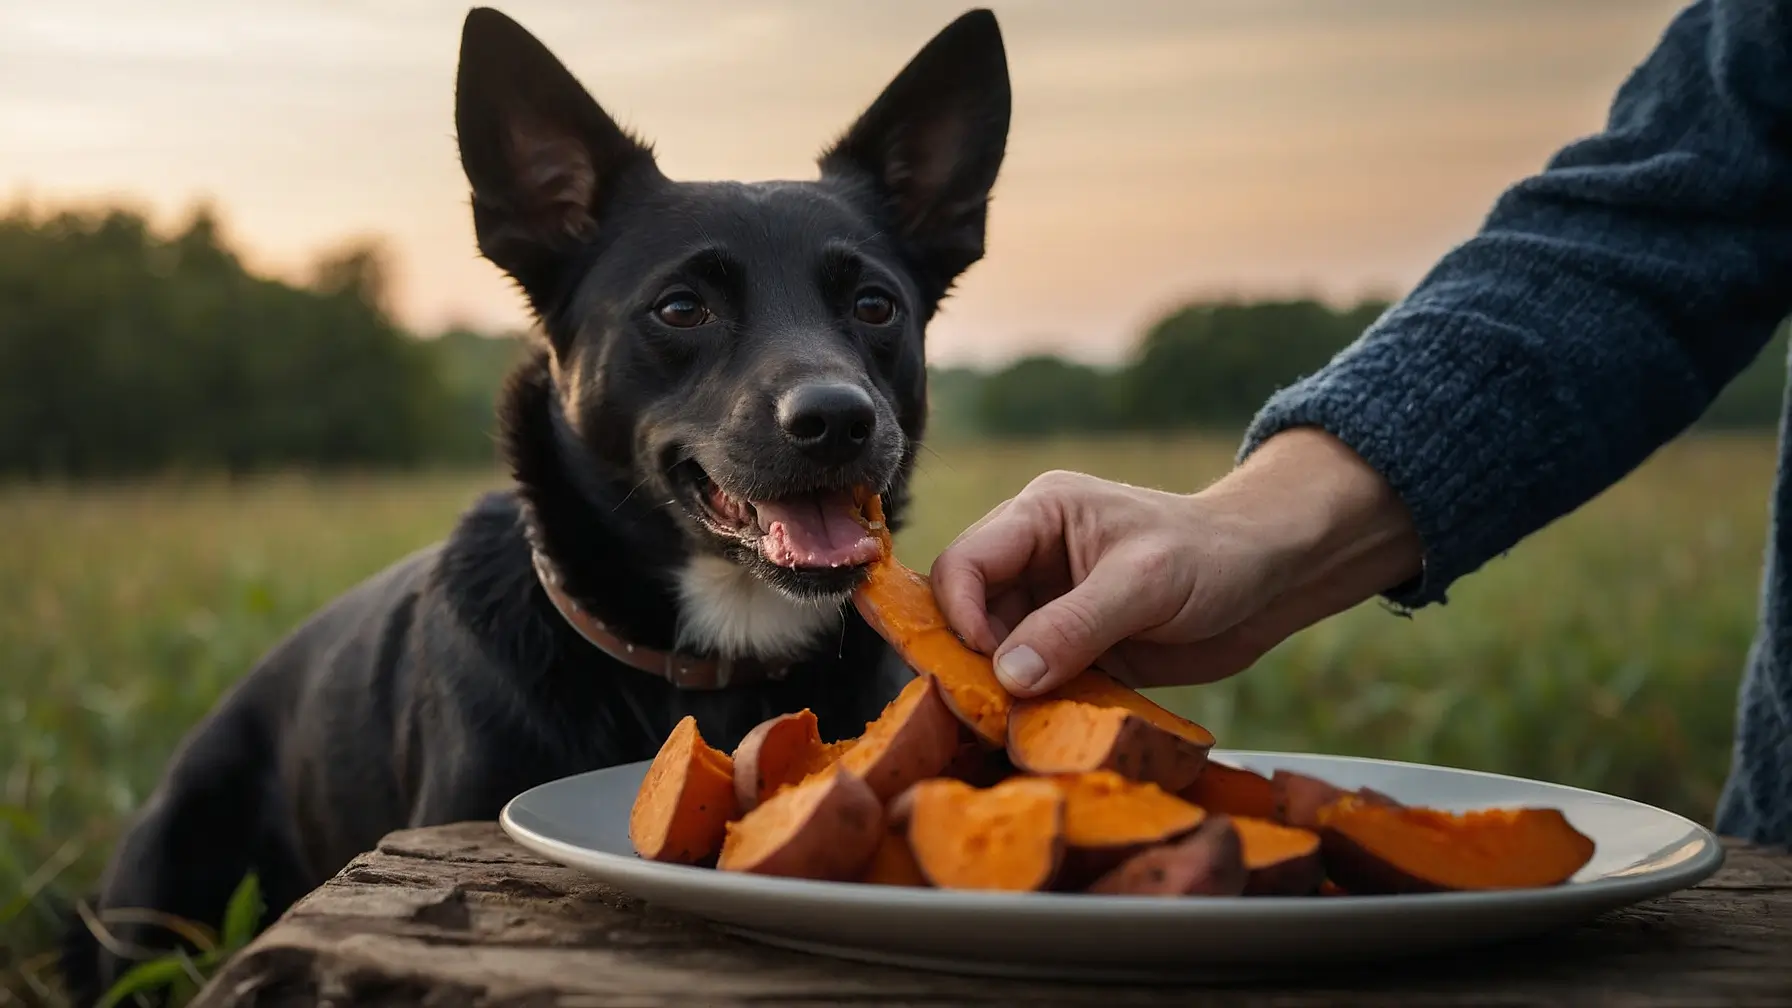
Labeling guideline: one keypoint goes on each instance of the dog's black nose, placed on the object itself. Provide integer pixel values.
(829, 422)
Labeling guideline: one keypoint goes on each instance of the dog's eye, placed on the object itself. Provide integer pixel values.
(874, 308)
(682, 310)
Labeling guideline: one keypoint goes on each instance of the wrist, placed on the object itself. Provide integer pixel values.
(1324, 510)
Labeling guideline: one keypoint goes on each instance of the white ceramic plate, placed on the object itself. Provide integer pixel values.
(1642, 852)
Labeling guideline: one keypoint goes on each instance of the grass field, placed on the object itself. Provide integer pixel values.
(1604, 652)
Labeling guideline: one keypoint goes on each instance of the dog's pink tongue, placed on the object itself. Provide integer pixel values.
(814, 531)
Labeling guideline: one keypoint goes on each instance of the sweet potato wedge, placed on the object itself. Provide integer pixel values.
(827, 827)
(1008, 837)
(1370, 847)
(1300, 797)
(893, 863)
(898, 603)
(1207, 862)
(1108, 818)
(779, 753)
(685, 801)
(1233, 791)
(1097, 688)
(914, 738)
(1281, 860)
(1070, 736)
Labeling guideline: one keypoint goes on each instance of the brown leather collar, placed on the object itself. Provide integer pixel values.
(683, 671)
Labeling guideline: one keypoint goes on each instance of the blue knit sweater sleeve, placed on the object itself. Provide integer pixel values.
(1602, 306)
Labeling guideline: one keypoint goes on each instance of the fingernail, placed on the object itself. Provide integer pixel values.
(1021, 668)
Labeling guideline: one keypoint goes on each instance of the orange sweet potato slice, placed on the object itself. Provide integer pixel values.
(1008, 837)
(779, 753)
(893, 863)
(1207, 862)
(1281, 860)
(1097, 687)
(1070, 736)
(898, 603)
(1370, 847)
(914, 738)
(826, 827)
(685, 801)
(1233, 791)
(1108, 818)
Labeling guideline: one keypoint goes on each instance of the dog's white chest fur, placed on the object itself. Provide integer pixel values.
(725, 610)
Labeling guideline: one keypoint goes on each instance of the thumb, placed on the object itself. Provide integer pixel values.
(1059, 640)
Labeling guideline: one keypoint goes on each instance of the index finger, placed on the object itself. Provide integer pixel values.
(996, 550)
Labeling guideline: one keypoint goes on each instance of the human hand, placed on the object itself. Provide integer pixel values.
(1167, 589)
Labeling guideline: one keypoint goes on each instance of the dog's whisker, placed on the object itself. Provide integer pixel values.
(943, 460)
(631, 493)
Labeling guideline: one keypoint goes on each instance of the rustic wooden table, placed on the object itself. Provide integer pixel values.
(459, 915)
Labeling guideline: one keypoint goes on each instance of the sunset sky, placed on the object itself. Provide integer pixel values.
(1160, 148)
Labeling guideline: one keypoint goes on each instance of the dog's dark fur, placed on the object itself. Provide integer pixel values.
(445, 685)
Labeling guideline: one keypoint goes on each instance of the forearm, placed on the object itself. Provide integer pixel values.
(1603, 305)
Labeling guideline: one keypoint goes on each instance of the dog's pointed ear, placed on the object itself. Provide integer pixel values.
(540, 153)
(932, 144)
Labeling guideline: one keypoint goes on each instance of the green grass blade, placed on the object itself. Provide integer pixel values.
(242, 915)
(144, 978)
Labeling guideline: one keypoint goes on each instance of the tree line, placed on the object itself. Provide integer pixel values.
(124, 351)
(1211, 365)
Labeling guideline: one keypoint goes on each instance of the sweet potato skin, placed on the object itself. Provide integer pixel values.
(1300, 797)
(914, 739)
(681, 812)
(1208, 862)
(1234, 791)
(777, 753)
(833, 842)
(1136, 748)
(1297, 877)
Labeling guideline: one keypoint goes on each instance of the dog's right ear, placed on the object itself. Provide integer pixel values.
(540, 153)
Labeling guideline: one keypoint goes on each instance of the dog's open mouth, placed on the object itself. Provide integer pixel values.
(814, 531)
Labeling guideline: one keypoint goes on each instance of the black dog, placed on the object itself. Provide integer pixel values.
(724, 364)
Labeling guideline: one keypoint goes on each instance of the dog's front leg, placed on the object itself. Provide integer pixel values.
(464, 783)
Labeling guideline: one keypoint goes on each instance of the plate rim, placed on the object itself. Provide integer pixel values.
(1612, 891)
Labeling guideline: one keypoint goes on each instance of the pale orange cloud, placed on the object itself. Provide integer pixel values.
(1160, 147)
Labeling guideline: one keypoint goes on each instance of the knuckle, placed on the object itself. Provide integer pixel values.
(1153, 561)
(1056, 481)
